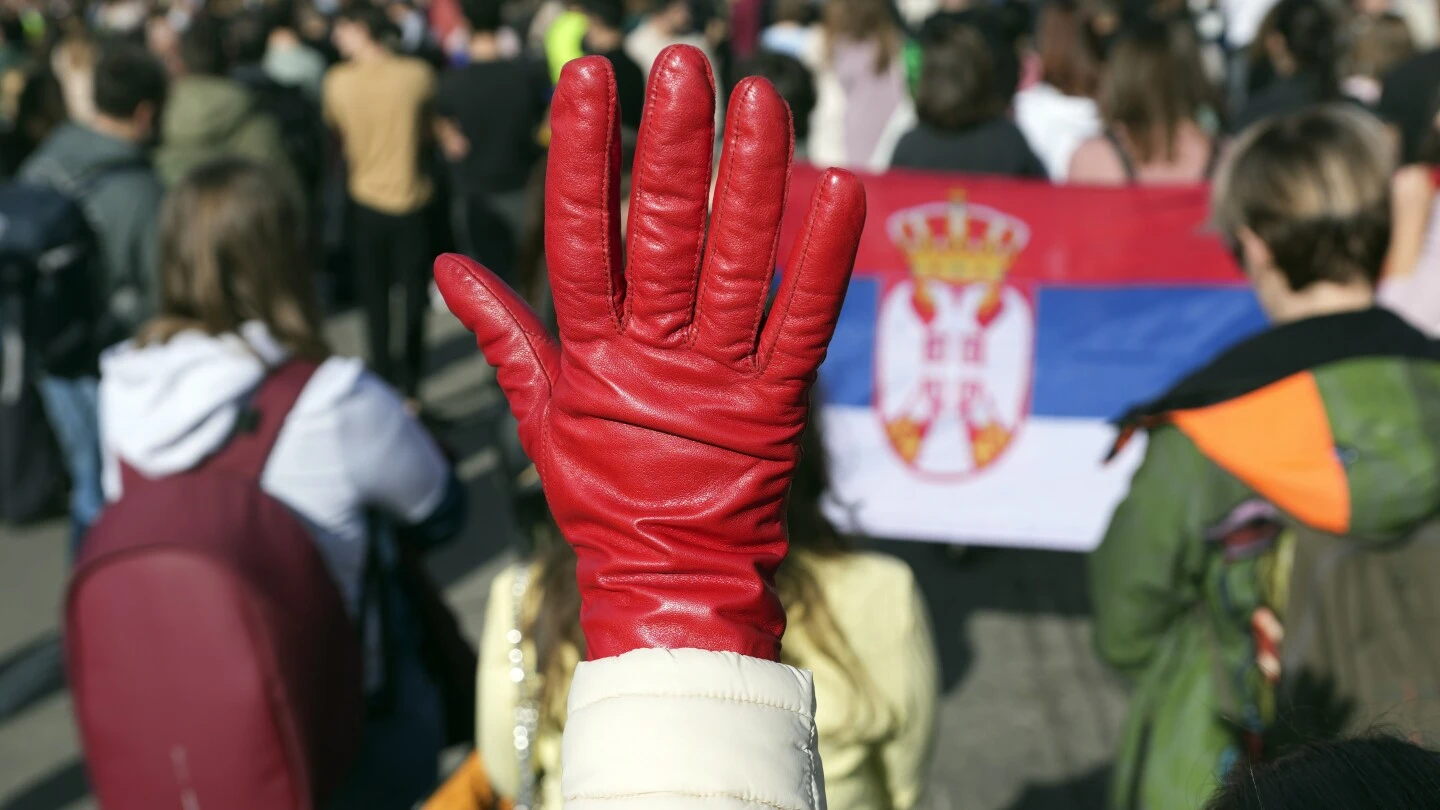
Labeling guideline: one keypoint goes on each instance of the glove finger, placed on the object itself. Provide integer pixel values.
(669, 195)
(740, 259)
(816, 276)
(582, 201)
(514, 341)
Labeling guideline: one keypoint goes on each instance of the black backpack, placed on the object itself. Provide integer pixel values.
(51, 292)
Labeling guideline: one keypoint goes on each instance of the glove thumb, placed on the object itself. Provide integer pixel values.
(514, 341)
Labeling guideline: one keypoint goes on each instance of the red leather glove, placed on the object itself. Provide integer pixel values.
(665, 423)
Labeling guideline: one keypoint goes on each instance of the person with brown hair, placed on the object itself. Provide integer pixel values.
(1059, 112)
(859, 80)
(1376, 43)
(1295, 61)
(237, 301)
(963, 126)
(856, 620)
(1152, 97)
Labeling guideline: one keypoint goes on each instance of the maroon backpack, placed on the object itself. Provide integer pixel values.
(210, 656)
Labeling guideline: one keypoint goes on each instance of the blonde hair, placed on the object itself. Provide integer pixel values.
(1315, 187)
(232, 250)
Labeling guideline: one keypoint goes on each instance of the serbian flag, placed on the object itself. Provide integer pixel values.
(993, 331)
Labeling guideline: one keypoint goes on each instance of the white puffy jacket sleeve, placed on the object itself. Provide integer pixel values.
(691, 730)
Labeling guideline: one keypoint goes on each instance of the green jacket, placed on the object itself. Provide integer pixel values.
(210, 117)
(1332, 424)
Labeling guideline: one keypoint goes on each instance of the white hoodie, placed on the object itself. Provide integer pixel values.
(1055, 125)
(348, 443)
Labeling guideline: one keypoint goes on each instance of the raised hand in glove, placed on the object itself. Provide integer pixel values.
(665, 422)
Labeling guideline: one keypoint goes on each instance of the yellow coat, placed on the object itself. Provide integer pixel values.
(875, 750)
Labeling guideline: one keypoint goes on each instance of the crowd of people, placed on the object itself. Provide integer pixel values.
(241, 168)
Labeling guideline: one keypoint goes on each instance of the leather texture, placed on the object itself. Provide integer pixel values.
(665, 421)
(631, 736)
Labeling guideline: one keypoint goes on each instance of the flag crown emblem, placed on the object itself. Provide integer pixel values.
(958, 241)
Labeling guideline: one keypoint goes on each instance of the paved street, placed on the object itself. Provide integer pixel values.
(1027, 722)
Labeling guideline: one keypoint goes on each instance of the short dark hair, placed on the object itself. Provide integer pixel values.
(126, 76)
(371, 17)
(792, 80)
(483, 15)
(609, 12)
(1337, 775)
(12, 30)
(202, 47)
(249, 36)
(957, 81)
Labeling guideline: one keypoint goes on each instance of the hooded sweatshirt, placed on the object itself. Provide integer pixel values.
(347, 445)
(209, 117)
(1055, 125)
(1329, 425)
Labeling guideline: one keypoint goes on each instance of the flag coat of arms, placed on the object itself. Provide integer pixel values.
(993, 330)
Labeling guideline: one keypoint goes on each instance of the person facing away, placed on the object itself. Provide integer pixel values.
(1152, 97)
(1059, 112)
(669, 22)
(792, 30)
(1298, 52)
(792, 80)
(237, 301)
(488, 119)
(210, 115)
(963, 126)
(605, 36)
(1375, 45)
(856, 620)
(295, 112)
(1411, 285)
(103, 163)
(1409, 95)
(859, 80)
(380, 104)
(1364, 772)
(1317, 428)
(288, 59)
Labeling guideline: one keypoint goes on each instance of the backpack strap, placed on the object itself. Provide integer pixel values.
(259, 423)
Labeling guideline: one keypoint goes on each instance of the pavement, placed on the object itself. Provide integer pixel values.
(1028, 719)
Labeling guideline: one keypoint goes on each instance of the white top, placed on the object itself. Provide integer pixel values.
(691, 730)
(348, 443)
(1243, 19)
(1055, 125)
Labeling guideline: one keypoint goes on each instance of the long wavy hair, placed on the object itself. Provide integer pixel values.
(553, 614)
(232, 250)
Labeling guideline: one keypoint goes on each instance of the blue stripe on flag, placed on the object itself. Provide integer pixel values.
(848, 376)
(1100, 351)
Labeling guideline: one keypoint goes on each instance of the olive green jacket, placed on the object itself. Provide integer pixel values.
(1330, 424)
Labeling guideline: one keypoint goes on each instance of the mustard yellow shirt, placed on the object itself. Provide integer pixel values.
(381, 110)
(876, 751)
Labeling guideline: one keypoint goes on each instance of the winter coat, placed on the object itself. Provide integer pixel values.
(876, 747)
(210, 117)
(1331, 421)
